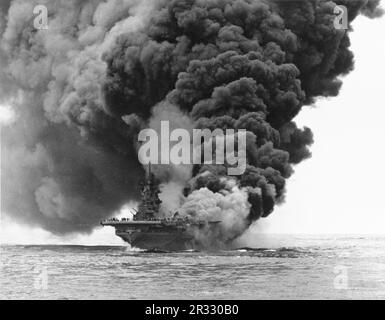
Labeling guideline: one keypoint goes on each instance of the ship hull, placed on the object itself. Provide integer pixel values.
(163, 241)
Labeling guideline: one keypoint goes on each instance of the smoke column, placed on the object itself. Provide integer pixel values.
(105, 69)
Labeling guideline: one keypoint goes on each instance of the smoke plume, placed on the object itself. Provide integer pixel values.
(106, 69)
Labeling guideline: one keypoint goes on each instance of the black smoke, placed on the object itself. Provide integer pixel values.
(83, 90)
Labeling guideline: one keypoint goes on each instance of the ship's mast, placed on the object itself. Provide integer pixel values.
(150, 202)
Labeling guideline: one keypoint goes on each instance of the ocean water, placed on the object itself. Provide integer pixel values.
(278, 267)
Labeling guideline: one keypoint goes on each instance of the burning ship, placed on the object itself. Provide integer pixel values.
(147, 231)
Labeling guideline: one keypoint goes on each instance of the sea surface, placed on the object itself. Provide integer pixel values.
(277, 267)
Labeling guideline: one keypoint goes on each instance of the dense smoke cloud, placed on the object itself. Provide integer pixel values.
(66, 162)
(84, 88)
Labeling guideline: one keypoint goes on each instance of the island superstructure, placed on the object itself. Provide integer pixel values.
(147, 231)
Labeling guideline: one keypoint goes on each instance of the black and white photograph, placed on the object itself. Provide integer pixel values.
(196, 150)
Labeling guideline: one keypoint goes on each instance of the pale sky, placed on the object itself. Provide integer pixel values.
(340, 189)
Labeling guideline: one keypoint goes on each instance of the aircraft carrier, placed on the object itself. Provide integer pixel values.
(149, 232)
